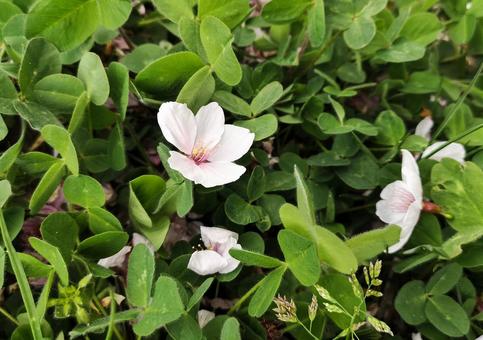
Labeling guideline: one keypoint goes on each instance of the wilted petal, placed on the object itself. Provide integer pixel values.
(455, 151)
(410, 174)
(211, 174)
(235, 142)
(396, 199)
(116, 260)
(210, 122)
(205, 316)
(213, 235)
(186, 166)
(206, 262)
(178, 125)
(407, 226)
(424, 127)
(232, 263)
(140, 239)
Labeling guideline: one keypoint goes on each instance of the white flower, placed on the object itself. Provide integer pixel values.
(208, 146)
(205, 316)
(402, 201)
(424, 128)
(140, 239)
(215, 259)
(455, 151)
(116, 260)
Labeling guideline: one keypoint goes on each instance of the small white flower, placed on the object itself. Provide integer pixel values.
(455, 151)
(116, 260)
(208, 146)
(205, 316)
(424, 128)
(140, 239)
(402, 201)
(216, 258)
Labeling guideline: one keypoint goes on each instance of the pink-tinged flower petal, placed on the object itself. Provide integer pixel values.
(407, 226)
(206, 262)
(396, 199)
(232, 263)
(178, 125)
(186, 166)
(213, 235)
(211, 174)
(424, 127)
(455, 151)
(116, 260)
(235, 142)
(410, 175)
(210, 122)
(204, 316)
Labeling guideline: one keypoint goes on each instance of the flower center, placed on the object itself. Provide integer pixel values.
(403, 199)
(214, 247)
(199, 154)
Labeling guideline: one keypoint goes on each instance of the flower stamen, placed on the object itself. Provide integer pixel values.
(199, 155)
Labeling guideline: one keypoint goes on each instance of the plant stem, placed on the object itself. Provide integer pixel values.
(9, 316)
(111, 316)
(99, 306)
(306, 329)
(237, 305)
(140, 147)
(458, 103)
(22, 281)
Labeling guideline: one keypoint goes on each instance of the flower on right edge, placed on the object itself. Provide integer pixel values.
(401, 201)
(455, 151)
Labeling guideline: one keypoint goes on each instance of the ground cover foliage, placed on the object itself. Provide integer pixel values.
(329, 186)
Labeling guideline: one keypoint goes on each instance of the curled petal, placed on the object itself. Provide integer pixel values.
(231, 262)
(210, 122)
(410, 174)
(204, 316)
(407, 226)
(424, 127)
(211, 174)
(213, 235)
(455, 151)
(206, 262)
(186, 166)
(235, 142)
(116, 260)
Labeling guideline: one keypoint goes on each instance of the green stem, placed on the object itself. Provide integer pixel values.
(364, 148)
(457, 138)
(252, 290)
(99, 306)
(9, 316)
(22, 281)
(140, 147)
(111, 316)
(306, 329)
(458, 103)
(44, 296)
